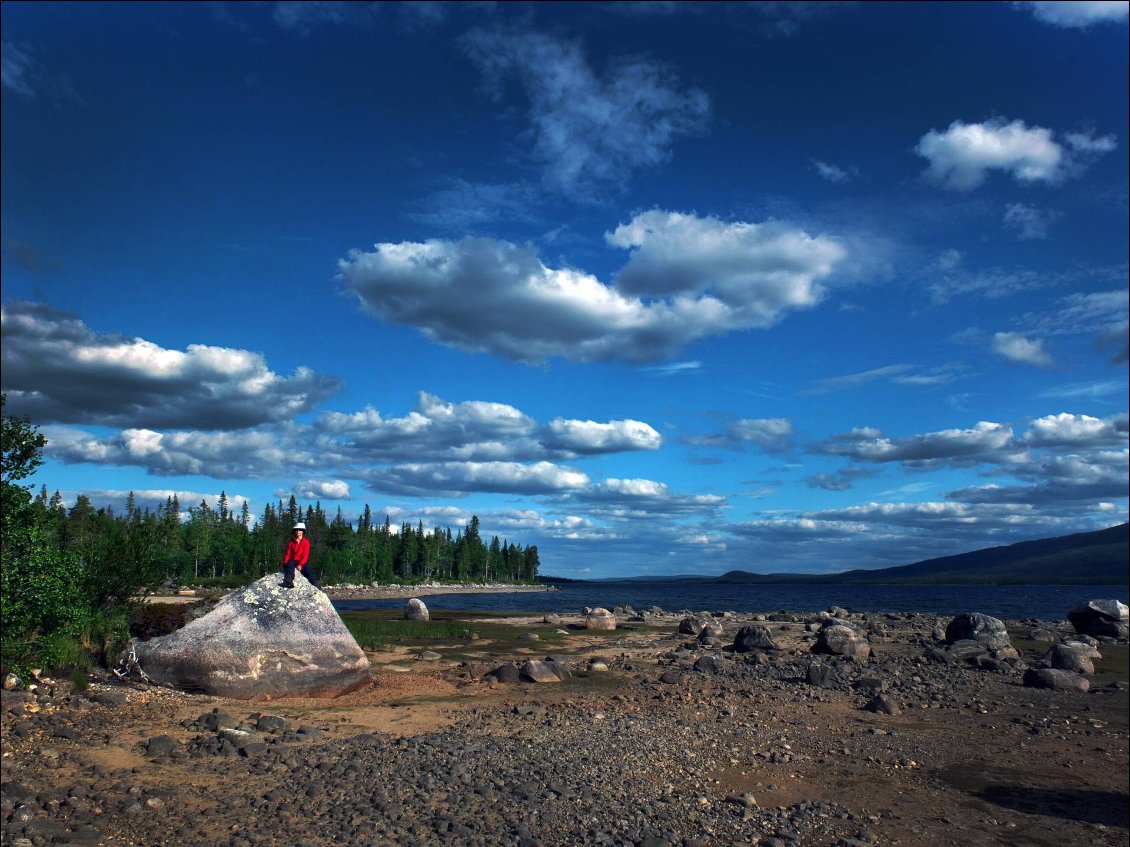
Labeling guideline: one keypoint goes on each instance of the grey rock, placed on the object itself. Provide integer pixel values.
(109, 698)
(836, 639)
(709, 664)
(973, 626)
(535, 670)
(822, 675)
(241, 738)
(967, 650)
(1067, 658)
(884, 704)
(986, 662)
(507, 674)
(261, 641)
(1101, 618)
(272, 724)
(691, 625)
(711, 629)
(1058, 680)
(161, 745)
(754, 637)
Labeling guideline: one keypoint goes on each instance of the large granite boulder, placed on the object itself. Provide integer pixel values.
(973, 626)
(1101, 618)
(260, 642)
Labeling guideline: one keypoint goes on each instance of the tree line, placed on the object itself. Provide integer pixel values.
(220, 543)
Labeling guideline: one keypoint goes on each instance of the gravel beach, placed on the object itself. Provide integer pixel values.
(656, 738)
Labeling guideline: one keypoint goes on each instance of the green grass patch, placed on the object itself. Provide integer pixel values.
(373, 633)
(1114, 666)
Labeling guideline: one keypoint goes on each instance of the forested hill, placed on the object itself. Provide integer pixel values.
(1095, 558)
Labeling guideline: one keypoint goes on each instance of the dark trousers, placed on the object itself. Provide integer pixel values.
(307, 571)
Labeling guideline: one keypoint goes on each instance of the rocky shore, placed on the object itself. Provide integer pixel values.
(658, 736)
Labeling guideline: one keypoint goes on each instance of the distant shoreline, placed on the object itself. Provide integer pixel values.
(379, 592)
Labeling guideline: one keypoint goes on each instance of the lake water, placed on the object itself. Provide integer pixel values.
(1044, 602)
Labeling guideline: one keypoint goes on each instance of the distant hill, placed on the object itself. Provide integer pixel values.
(1085, 558)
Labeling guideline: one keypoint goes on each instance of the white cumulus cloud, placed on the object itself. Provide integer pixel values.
(594, 437)
(982, 442)
(1077, 14)
(686, 278)
(962, 156)
(1066, 429)
(1015, 347)
(57, 370)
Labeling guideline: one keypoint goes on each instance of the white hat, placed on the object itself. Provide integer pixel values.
(300, 526)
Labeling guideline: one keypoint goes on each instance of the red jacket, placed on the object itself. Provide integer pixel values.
(298, 551)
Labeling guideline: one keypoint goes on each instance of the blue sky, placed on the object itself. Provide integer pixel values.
(659, 287)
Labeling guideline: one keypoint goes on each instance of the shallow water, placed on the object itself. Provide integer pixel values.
(1044, 602)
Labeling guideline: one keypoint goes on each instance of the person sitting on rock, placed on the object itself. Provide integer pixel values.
(298, 557)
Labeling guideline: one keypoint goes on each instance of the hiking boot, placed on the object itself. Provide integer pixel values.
(286, 583)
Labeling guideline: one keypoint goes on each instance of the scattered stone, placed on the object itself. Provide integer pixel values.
(507, 674)
(983, 629)
(822, 675)
(754, 637)
(543, 671)
(691, 625)
(884, 704)
(1055, 679)
(842, 639)
(1071, 658)
(161, 745)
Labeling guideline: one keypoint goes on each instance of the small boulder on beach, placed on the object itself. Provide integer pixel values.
(600, 619)
(1073, 657)
(415, 610)
(987, 631)
(1056, 679)
(839, 638)
(753, 637)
